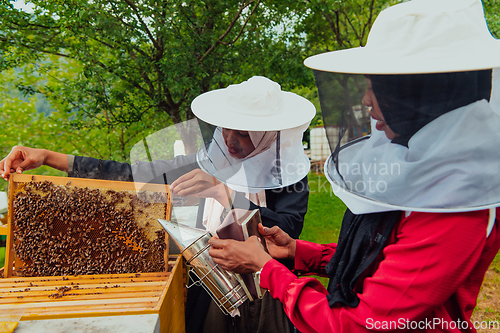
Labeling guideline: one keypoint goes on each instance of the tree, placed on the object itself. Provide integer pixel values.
(138, 59)
(131, 67)
(22, 124)
(335, 25)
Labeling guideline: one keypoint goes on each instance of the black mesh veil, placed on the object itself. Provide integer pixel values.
(345, 118)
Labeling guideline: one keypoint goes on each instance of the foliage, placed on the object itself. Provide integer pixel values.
(133, 59)
(24, 125)
(122, 70)
(336, 25)
(130, 68)
(116, 71)
(492, 13)
(21, 123)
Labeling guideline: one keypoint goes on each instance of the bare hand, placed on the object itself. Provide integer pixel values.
(240, 257)
(279, 244)
(21, 159)
(200, 184)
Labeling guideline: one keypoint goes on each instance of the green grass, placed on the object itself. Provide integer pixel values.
(324, 214)
(2, 256)
(496, 263)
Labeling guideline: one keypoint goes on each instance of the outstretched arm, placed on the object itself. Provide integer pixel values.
(22, 158)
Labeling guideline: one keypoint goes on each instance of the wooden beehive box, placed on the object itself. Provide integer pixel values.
(52, 219)
(100, 295)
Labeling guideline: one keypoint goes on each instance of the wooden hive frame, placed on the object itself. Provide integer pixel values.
(95, 295)
(17, 179)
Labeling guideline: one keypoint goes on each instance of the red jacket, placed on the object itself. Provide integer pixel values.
(427, 278)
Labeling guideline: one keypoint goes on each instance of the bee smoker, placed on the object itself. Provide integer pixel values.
(223, 286)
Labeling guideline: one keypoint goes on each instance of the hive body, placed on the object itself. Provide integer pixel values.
(82, 247)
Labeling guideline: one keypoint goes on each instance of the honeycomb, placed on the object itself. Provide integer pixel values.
(75, 230)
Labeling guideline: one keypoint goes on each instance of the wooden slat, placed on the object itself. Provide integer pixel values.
(84, 280)
(87, 182)
(138, 276)
(85, 303)
(63, 312)
(102, 287)
(79, 311)
(71, 295)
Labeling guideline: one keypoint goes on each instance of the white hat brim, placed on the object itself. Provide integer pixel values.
(419, 37)
(212, 108)
(366, 60)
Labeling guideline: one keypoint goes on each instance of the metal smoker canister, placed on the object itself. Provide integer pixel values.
(222, 285)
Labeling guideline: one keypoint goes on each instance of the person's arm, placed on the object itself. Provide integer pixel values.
(88, 167)
(237, 256)
(21, 159)
(145, 172)
(430, 258)
(200, 184)
(312, 258)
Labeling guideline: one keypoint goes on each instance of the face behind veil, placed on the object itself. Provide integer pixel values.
(278, 160)
(409, 102)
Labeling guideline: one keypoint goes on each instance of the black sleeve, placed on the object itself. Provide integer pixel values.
(286, 207)
(145, 172)
(88, 167)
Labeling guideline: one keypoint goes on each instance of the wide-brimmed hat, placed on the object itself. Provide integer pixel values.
(420, 36)
(257, 104)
